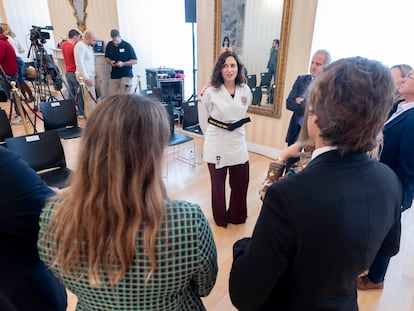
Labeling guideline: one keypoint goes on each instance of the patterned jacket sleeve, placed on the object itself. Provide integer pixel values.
(206, 275)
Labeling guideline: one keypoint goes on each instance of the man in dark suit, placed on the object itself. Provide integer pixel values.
(25, 282)
(398, 154)
(319, 229)
(296, 100)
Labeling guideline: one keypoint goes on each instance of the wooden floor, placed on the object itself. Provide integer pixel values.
(192, 183)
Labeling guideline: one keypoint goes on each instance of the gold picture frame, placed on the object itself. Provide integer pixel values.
(79, 11)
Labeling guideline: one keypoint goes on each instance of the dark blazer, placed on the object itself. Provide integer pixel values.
(398, 152)
(317, 231)
(25, 282)
(299, 89)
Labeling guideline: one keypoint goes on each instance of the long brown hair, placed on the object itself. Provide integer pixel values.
(7, 30)
(115, 191)
(217, 79)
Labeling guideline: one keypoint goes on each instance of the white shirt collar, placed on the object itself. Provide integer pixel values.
(322, 150)
(401, 108)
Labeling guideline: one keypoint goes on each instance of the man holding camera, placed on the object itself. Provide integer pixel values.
(121, 56)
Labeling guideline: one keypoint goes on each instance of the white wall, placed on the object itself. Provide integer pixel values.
(159, 34)
(379, 30)
(22, 15)
(101, 17)
(205, 42)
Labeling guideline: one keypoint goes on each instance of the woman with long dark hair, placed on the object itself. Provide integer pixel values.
(222, 115)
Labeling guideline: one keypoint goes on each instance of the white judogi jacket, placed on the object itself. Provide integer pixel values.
(223, 147)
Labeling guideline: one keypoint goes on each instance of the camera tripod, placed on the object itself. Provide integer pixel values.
(16, 97)
(138, 85)
(193, 97)
(45, 68)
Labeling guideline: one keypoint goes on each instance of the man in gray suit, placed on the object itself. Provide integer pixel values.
(319, 229)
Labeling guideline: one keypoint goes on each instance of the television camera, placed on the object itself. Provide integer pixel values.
(43, 62)
(38, 36)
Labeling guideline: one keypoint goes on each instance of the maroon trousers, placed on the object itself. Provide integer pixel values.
(239, 182)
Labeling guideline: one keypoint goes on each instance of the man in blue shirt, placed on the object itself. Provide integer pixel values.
(121, 56)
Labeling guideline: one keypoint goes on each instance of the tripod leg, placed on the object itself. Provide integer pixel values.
(15, 95)
(11, 108)
(85, 103)
(79, 102)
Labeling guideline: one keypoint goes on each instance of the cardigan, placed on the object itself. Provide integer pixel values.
(186, 266)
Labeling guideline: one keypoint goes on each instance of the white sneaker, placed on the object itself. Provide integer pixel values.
(16, 120)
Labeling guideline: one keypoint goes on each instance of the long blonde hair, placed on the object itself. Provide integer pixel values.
(7, 30)
(116, 190)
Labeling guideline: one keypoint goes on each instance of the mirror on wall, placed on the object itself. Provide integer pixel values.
(251, 26)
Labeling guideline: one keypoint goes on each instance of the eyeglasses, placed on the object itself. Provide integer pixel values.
(409, 76)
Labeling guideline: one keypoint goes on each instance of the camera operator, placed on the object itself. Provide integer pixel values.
(8, 63)
(44, 62)
(39, 37)
(21, 69)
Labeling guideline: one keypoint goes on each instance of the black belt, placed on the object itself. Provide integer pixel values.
(228, 126)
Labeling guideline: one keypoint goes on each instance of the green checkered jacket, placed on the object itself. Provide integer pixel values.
(186, 266)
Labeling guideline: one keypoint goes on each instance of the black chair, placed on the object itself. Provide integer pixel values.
(61, 116)
(265, 78)
(5, 128)
(251, 81)
(257, 96)
(190, 117)
(44, 153)
(176, 138)
(271, 94)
